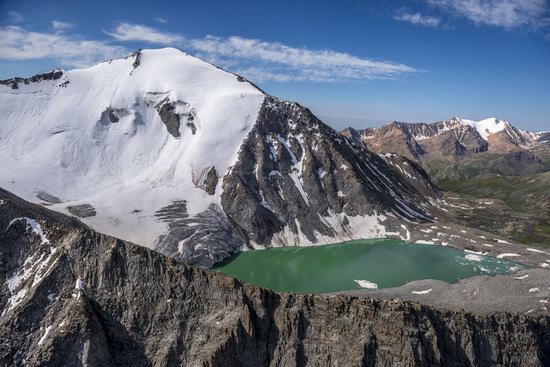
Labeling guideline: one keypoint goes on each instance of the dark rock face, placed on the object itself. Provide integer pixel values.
(82, 211)
(170, 118)
(294, 170)
(48, 198)
(137, 59)
(113, 115)
(413, 173)
(297, 181)
(211, 181)
(191, 121)
(98, 301)
(114, 119)
(202, 240)
(13, 82)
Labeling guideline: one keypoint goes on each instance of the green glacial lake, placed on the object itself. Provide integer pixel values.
(331, 268)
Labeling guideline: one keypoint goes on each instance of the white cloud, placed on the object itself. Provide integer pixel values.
(143, 33)
(276, 61)
(502, 13)
(161, 20)
(256, 59)
(260, 60)
(61, 26)
(15, 17)
(417, 18)
(18, 43)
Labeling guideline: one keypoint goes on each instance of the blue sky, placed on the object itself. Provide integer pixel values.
(358, 63)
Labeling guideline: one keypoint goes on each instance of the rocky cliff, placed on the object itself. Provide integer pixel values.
(71, 297)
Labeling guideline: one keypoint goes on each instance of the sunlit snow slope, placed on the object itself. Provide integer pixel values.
(95, 136)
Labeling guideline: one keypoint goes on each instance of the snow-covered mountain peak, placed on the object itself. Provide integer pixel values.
(125, 137)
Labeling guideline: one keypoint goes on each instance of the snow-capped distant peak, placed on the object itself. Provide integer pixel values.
(485, 127)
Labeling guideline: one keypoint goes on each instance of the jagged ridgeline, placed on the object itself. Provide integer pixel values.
(460, 148)
(171, 152)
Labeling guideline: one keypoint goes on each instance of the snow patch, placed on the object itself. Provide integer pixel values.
(487, 126)
(34, 226)
(522, 277)
(422, 292)
(501, 256)
(424, 242)
(46, 332)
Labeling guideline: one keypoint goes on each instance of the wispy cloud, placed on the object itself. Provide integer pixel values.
(15, 17)
(261, 60)
(61, 26)
(143, 33)
(416, 18)
(18, 43)
(256, 59)
(502, 13)
(297, 63)
(161, 20)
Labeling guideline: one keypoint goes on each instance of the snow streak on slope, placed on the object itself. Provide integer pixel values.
(95, 136)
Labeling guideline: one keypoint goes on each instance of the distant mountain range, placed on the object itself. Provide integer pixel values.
(459, 148)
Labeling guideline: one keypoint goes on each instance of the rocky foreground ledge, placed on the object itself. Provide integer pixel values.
(71, 296)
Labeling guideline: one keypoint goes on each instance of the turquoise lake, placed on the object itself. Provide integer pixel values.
(337, 267)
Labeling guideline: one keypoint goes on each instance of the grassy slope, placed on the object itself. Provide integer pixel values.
(523, 208)
(483, 164)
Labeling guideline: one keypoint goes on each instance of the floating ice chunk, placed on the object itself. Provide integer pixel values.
(473, 257)
(533, 290)
(366, 284)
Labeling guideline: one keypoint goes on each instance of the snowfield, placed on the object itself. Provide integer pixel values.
(95, 136)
